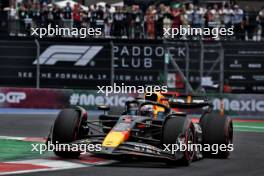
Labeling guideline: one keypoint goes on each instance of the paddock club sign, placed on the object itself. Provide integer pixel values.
(64, 65)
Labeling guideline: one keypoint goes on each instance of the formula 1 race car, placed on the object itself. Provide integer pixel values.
(146, 129)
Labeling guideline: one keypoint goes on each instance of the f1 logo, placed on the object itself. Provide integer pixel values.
(81, 55)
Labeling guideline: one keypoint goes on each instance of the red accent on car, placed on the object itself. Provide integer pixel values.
(126, 134)
(141, 125)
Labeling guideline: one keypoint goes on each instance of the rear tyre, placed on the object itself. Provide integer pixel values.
(66, 129)
(218, 130)
(175, 128)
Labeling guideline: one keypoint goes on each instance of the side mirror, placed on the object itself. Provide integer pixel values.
(103, 108)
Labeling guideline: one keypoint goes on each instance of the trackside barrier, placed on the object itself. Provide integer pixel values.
(236, 105)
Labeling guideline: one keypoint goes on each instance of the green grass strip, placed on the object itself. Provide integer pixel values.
(249, 126)
(15, 150)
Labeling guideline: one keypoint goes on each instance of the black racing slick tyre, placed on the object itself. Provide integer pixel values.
(66, 129)
(175, 128)
(217, 130)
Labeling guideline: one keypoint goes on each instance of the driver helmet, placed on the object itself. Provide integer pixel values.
(147, 110)
(133, 109)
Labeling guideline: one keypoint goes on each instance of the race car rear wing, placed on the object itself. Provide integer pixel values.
(187, 101)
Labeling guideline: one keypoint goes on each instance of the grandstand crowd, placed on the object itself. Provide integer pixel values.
(133, 22)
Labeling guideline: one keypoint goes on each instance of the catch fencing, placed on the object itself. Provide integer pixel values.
(185, 66)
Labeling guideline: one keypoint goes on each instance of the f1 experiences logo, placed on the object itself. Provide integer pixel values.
(12, 97)
(81, 55)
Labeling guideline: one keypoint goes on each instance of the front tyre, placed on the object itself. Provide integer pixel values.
(66, 129)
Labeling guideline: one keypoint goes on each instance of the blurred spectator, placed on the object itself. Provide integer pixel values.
(45, 20)
(167, 20)
(92, 15)
(214, 18)
(127, 22)
(227, 14)
(132, 22)
(56, 12)
(176, 17)
(12, 13)
(22, 14)
(198, 17)
(50, 17)
(150, 22)
(12, 21)
(261, 21)
(28, 19)
(189, 12)
(99, 18)
(36, 15)
(159, 20)
(250, 23)
(67, 12)
(108, 20)
(76, 16)
(239, 25)
(136, 22)
(44, 2)
(118, 18)
(226, 18)
(185, 21)
(67, 16)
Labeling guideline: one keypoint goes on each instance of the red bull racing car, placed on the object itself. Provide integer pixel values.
(151, 127)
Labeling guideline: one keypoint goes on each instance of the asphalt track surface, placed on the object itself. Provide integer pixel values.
(246, 160)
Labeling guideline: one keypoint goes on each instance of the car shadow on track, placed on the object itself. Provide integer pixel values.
(140, 164)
